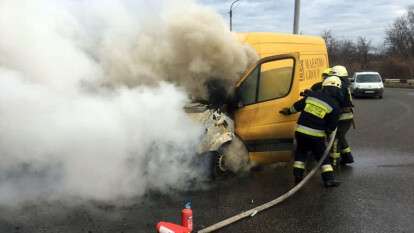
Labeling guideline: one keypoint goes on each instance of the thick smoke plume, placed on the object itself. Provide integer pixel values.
(190, 45)
(92, 95)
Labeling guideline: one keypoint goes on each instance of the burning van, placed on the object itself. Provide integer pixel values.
(253, 132)
(225, 151)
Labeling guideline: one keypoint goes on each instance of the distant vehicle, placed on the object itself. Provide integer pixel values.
(367, 84)
(289, 65)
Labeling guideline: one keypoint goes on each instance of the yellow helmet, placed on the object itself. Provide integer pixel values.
(332, 81)
(327, 72)
(340, 71)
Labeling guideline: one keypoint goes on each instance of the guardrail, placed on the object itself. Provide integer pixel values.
(399, 83)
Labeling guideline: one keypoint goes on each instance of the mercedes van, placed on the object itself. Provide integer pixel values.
(288, 65)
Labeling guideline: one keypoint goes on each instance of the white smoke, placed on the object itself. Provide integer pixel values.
(94, 146)
(187, 45)
(92, 95)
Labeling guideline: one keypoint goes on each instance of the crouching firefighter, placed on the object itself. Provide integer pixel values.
(318, 119)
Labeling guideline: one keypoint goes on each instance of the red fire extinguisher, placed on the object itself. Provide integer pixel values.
(187, 217)
(166, 227)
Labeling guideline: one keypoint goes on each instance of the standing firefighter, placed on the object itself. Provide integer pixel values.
(341, 148)
(319, 117)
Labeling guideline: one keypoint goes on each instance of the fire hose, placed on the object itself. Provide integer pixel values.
(254, 211)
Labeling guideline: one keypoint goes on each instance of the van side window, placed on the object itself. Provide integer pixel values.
(248, 88)
(275, 79)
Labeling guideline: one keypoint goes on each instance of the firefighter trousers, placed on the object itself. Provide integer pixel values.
(315, 145)
(341, 148)
(343, 128)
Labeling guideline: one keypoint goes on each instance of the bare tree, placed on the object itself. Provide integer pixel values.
(331, 45)
(347, 53)
(396, 59)
(400, 40)
(363, 47)
(329, 39)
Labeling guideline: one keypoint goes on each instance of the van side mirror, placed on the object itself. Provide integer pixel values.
(352, 80)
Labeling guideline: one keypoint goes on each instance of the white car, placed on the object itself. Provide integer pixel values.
(367, 84)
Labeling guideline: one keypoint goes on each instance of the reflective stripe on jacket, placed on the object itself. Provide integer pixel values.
(311, 132)
(319, 113)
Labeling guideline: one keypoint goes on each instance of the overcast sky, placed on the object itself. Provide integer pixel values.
(345, 18)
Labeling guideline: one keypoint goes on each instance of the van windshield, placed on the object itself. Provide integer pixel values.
(368, 78)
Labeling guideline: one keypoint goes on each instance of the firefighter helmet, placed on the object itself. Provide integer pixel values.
(332, 81)
(340, 71)
(328, 72)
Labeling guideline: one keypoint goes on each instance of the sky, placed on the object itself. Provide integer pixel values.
(346, 19)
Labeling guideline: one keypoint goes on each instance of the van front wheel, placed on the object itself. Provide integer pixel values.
(219, 165)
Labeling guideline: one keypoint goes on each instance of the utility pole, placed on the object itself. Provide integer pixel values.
(296, 18)
(231, 14)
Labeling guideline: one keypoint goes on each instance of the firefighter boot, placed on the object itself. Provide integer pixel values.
(346, 158)
(329, 179)
(331, 183)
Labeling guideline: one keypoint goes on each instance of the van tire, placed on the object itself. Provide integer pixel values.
(219, 169)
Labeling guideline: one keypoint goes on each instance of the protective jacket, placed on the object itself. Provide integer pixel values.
(319, 114)
(346, 104)
(344, 100)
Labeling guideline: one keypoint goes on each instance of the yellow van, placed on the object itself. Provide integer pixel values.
(257, 133)
(289, 64)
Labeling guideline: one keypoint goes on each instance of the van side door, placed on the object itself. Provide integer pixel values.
(267, 88)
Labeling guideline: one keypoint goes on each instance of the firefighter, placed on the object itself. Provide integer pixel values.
(318, 119)
(341, 148)
(318, 86)
(325, 73)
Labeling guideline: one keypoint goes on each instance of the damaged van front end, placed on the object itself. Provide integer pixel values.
(219, 145)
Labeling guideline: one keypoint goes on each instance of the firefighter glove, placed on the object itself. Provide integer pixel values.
(305, 93)
(285, 111)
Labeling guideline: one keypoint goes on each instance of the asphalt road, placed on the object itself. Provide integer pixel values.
(377, 194)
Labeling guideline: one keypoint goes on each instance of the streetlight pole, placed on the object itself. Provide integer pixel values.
(231, 14)
(296, 19)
